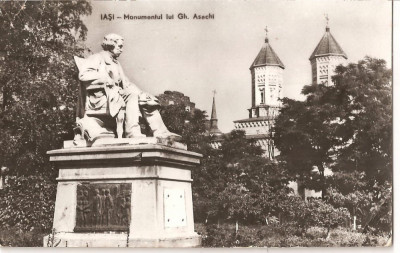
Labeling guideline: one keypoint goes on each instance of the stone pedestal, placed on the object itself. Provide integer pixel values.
(124, 196)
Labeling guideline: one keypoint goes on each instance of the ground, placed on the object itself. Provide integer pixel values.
(225, 235)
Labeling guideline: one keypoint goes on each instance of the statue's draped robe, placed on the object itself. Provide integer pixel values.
(100, 96)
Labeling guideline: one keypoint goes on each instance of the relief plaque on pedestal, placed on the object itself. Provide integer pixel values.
(103, 207)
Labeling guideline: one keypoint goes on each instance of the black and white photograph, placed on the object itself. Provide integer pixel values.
(197, 124)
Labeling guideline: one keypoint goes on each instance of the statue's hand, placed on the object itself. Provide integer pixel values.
(105, 80)
(150, 97)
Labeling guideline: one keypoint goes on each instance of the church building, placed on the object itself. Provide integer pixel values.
(266, 90)
(267, 81)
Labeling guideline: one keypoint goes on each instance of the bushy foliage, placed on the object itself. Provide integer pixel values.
(362, 96)
(372, 214)
(27, 203)
(306, 214)
(283, 235)
(190, 125)
(38, 79)
(237, 183)
(14, 237)
(346, 127)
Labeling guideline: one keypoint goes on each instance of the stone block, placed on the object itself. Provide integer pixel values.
(149, 196)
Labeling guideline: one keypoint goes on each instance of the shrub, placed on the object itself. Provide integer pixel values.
(14, 237)
(314, 213)
(27, 203)
(284, 235)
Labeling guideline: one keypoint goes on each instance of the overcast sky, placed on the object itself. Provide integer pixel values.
(197, 56)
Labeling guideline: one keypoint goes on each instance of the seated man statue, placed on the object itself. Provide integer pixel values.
(107, 87)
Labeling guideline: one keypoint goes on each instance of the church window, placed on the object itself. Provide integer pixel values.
(262, 96)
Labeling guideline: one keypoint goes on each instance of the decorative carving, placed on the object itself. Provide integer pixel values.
(103, 207)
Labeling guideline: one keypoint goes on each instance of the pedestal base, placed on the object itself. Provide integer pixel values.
(124, 196)
(122, 241)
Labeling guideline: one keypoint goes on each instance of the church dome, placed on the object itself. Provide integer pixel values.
(267, 57)
(327, 46)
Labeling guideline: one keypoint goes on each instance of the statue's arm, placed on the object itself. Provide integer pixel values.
(91, 72)
(88, 69)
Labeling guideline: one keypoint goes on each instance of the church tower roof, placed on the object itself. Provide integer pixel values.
(328, 46)
(214, 130)
(214, 110)
(267, 56)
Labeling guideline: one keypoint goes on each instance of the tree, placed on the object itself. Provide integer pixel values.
(363, 167)
(38, 80)
(236, 183)
(363, 102)
(190, 125)
(346, 127)
(305, 136)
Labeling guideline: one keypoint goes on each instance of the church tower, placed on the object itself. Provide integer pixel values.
(325, 58)
(266, 82)
(214, 130)
(266, 90)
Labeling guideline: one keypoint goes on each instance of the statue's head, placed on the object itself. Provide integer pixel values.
(113, 43)
(96, 191)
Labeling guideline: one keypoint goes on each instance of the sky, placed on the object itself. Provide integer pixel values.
(196, 57)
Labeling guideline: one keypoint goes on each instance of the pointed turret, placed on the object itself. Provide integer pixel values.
(325, 58)
(267, 56)
(214, 130)
(328, 46)
(267, 80)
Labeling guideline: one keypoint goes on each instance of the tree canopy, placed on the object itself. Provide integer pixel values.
(346, 127)
(38, 82)
(235, 182)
